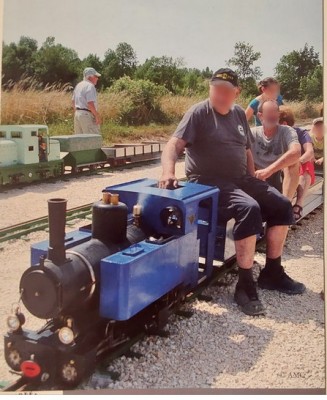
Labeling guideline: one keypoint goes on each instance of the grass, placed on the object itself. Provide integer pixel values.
(52, 106)
(115, 133)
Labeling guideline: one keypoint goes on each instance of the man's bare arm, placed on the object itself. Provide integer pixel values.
(169, 156)
(91, 107)
(291, 157)
(308, 154)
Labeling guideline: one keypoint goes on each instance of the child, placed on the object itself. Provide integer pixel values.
(269, 90)
(306, 172)
(317, 136)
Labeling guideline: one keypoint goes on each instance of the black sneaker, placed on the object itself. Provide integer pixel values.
(247, 298)
(281, 282)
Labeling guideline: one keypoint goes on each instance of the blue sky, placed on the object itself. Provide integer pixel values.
(202, 32)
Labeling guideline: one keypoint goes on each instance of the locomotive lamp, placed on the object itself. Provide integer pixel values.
(15, 321)
(66, 335)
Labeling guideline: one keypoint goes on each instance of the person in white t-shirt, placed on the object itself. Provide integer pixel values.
(86, 115)
(275, 148)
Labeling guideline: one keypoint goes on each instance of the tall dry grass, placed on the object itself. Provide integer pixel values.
(35, 106)
(174, 107)
(52, 105)
(304, 110)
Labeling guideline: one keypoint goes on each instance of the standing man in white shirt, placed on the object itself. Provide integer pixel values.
(86, 118)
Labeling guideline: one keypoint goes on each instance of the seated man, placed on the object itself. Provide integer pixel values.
(317, 136)
(216, 138)
(275, 147)
(307, 172)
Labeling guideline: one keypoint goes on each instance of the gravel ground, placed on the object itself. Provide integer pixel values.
(219, 347)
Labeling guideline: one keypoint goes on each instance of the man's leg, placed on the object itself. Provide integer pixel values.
(275, 238)
(278, 212)
(273, 276)
(77, 124)
(291, 181)
(276, 181)
(302, 190)
(234, 203)
(245, 249)
(88, 124)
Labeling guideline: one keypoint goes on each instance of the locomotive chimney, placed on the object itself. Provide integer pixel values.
(57, 222)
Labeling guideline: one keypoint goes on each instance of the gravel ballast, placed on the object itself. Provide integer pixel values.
(218, 347)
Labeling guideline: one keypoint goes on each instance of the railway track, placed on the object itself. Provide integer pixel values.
(85, 172)
(23, 229)
(222, 275)
(313, 200)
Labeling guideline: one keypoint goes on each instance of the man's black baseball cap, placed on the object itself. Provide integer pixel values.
(225, 75)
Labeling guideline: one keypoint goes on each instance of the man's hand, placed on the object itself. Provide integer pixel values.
(98, 119)
(262, 174)
(319, 161)
(168, 182)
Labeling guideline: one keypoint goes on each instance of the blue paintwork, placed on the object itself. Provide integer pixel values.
(186, 197)
(72, 239)
(132, 279)
(131, 282)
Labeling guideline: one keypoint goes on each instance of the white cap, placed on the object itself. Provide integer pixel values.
(90, 72)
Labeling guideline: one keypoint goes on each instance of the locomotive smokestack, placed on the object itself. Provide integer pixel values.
(57, 222)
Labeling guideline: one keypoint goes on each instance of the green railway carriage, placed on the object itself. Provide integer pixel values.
(28, 154)
(80, 151)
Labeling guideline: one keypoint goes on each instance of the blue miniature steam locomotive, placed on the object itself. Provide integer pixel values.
(145, 251)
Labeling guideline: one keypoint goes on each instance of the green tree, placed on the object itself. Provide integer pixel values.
(92, 60)
(163, 71)
(195, 81)
(55, 63)
(207, 73)
(243, 61)
(294, 66)
(243, 64)
(311, 85)
(118, 63)
(191, 79)
(18, 60)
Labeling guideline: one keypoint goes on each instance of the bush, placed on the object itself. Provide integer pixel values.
(142, 101)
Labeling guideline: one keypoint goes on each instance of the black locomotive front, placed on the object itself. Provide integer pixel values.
(63, 289)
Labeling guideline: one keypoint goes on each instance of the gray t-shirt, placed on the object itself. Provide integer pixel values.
(84, 92)
(216, 144)
(266, 151)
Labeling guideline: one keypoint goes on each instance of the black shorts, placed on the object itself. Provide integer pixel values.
(251, 201)
(276, 180)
